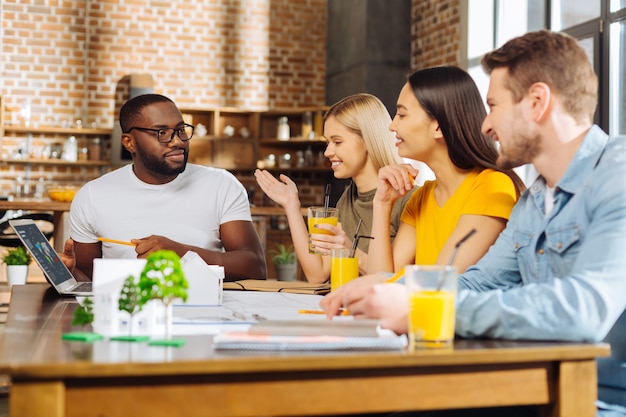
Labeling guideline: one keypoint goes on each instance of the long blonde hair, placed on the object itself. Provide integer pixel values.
(366, 116)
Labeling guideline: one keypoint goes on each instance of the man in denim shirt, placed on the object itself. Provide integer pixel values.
(558, 270)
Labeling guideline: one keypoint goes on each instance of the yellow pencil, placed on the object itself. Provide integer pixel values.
(396, 276)
(341, 312)
(119, 242)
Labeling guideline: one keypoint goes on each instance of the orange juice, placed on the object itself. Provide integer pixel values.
(319, 215)
(431, 316)
(342, 270)
(318, 220)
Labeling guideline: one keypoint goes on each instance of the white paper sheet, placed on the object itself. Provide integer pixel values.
(241, 309)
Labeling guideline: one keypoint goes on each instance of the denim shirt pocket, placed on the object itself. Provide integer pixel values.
(521, 240)
(560, 239)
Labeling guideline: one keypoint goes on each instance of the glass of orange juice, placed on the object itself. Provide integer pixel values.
(344, 267)
(317, 215)
(432, 296)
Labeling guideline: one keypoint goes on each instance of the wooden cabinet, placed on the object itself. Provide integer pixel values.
(241, 140)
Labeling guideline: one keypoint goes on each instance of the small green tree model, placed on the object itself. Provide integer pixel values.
(163, 279)
(83, 315)
(130, 300)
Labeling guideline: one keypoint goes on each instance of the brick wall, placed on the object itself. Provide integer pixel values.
(435, 33)
(69, 58)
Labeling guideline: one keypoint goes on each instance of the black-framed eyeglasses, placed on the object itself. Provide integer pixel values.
(167, 135)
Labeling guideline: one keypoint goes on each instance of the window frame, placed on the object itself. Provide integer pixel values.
(597, 29)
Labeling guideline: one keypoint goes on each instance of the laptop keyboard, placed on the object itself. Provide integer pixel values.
(83, 287)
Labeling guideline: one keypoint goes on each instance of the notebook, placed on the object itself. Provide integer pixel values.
(48, 260)
(308, 335)
(296, 287)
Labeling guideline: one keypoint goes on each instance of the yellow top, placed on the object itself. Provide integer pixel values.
(483, 192)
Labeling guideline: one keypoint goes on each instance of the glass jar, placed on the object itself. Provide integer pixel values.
(283, 129)
(307, 124)
(95, 150)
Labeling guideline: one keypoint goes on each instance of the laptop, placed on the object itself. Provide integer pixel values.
(48, 260)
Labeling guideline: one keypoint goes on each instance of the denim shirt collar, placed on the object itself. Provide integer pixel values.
(584, 161)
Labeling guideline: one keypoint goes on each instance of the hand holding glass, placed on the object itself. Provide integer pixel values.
(318, 215)
(432, 296)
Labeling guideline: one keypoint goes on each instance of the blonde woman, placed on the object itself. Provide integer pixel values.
(359, 144)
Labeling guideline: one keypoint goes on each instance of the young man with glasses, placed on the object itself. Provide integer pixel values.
(161, 202)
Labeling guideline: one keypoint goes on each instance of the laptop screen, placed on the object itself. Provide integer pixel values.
(39, 247)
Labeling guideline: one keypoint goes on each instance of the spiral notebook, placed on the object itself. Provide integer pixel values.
(296, 335)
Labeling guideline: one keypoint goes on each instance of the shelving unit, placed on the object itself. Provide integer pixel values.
(253, 137)
(31, 142)
(31, 154)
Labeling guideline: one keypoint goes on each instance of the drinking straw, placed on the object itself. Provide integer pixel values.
(357, 237)
(326, 198)
(396, 276)
(452, 256)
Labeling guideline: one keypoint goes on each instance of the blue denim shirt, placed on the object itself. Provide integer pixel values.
(560, 277)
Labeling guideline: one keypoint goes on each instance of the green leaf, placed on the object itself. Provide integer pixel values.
(283, 254)
(163, 278)
(17, 256)
(83, 314)
(130, 299)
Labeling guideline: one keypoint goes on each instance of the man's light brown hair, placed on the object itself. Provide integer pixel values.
(555, 59)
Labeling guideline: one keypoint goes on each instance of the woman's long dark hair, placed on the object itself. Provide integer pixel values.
(440, 91)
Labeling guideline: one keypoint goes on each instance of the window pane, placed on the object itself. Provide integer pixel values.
(482, 81)
(587, 44)
(568, 13)
(518, 17)
(617, 80)
(480, 27)
(617, 5)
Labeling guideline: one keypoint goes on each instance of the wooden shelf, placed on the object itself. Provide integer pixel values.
(292, 142)
(56, 162)
(240, 154)
(56, 130)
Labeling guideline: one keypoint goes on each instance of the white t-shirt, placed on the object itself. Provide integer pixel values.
(189, 209)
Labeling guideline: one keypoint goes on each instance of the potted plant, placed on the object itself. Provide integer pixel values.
(17, 260)
(284, 259)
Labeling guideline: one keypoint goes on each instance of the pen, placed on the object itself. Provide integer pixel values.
(119, 242)
(342, 312)
(396, 276)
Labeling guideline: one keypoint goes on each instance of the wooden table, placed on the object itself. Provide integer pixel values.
(53, 378)
(58, 209)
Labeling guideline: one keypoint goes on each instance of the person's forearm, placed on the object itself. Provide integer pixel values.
(238, 264)
(381, 244)
(80, 276)
(363, 260)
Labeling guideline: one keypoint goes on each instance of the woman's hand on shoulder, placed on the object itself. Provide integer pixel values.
(394, 181)
(283, 191)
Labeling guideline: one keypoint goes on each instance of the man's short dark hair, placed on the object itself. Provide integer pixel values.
(131, 110)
